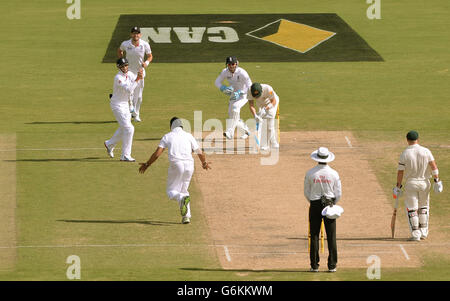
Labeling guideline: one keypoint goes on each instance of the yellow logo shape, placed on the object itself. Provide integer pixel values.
(295, 36)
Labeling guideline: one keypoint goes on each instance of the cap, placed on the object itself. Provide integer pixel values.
(135, 29)
(412, 135)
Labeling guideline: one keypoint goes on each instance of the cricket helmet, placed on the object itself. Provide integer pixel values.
(256, 89)
(121, 62)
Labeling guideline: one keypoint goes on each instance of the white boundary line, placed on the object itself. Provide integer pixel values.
(209, 245)
(296, 50)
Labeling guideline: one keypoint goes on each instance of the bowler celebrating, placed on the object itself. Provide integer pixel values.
(180, 145)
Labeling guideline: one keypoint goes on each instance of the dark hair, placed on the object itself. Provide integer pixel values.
(173, 120)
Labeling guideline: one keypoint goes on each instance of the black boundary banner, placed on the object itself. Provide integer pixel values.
(345, 46)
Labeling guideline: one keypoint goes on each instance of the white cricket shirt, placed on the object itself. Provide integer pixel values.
(414, 161)
(135, 54)
(322, 180)
(239, 80)
(180, 145)
(124, 85)
(264, 99)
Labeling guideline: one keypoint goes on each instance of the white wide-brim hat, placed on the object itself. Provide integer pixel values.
(322, 155)
(332, 212)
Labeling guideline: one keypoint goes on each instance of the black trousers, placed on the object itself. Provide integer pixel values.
(315, 218)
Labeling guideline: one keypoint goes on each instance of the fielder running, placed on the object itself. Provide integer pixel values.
(135, 49)
(180, 145)
(124, 84)
(416, 165)
(268, 102)
(239, 82)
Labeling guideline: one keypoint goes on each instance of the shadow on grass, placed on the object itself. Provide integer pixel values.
(71, 122)
(143, 222)
(148, 139)
(244, 271)
(89, 159)
(359, 239)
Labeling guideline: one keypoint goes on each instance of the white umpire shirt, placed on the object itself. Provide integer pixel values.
(414, 161)
(264, 99)
(135, 54)
(180, 145)
(239, 80)
(124, 85)
(322, 180)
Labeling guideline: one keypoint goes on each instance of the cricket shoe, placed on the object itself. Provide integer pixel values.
(332, 270)
(264, 148)
(185, 220)
(109, 151)
(183, 206)
(227, 135)
(127, 159)
(137, 118)
(314, 270)
(245, 136)
(412, 238)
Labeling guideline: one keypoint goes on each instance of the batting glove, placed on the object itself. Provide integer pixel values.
(397, 192)
(226, 90)
(258, 119)
(438, 187)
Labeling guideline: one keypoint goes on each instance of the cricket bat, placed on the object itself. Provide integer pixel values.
(394, 216)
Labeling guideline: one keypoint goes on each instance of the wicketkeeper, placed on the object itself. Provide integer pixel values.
(239, 83)
(416, 165)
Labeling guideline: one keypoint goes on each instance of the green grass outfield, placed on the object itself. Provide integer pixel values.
(54, 89)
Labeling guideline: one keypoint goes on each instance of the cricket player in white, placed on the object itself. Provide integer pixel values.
(124, 84)
(267, 101)
(239, 82)
(135, 50)
(416, 165)
(180, 145)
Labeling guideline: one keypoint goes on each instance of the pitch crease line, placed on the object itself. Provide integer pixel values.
(404, 252)
(348, 142)
(227, 253)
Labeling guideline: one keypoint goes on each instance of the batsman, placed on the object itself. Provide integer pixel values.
(416, 165)
(268, 102)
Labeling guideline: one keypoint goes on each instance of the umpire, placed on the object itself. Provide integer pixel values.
(322, 187)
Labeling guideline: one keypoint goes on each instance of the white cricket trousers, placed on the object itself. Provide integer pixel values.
(125, 131)
(137, 96)
(234, 113)
(269, 131)
(417, 200)
(178, 179)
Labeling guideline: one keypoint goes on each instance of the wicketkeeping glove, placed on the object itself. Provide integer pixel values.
(397, 192)
(438, 187)
(236, 95)
(226, 90)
